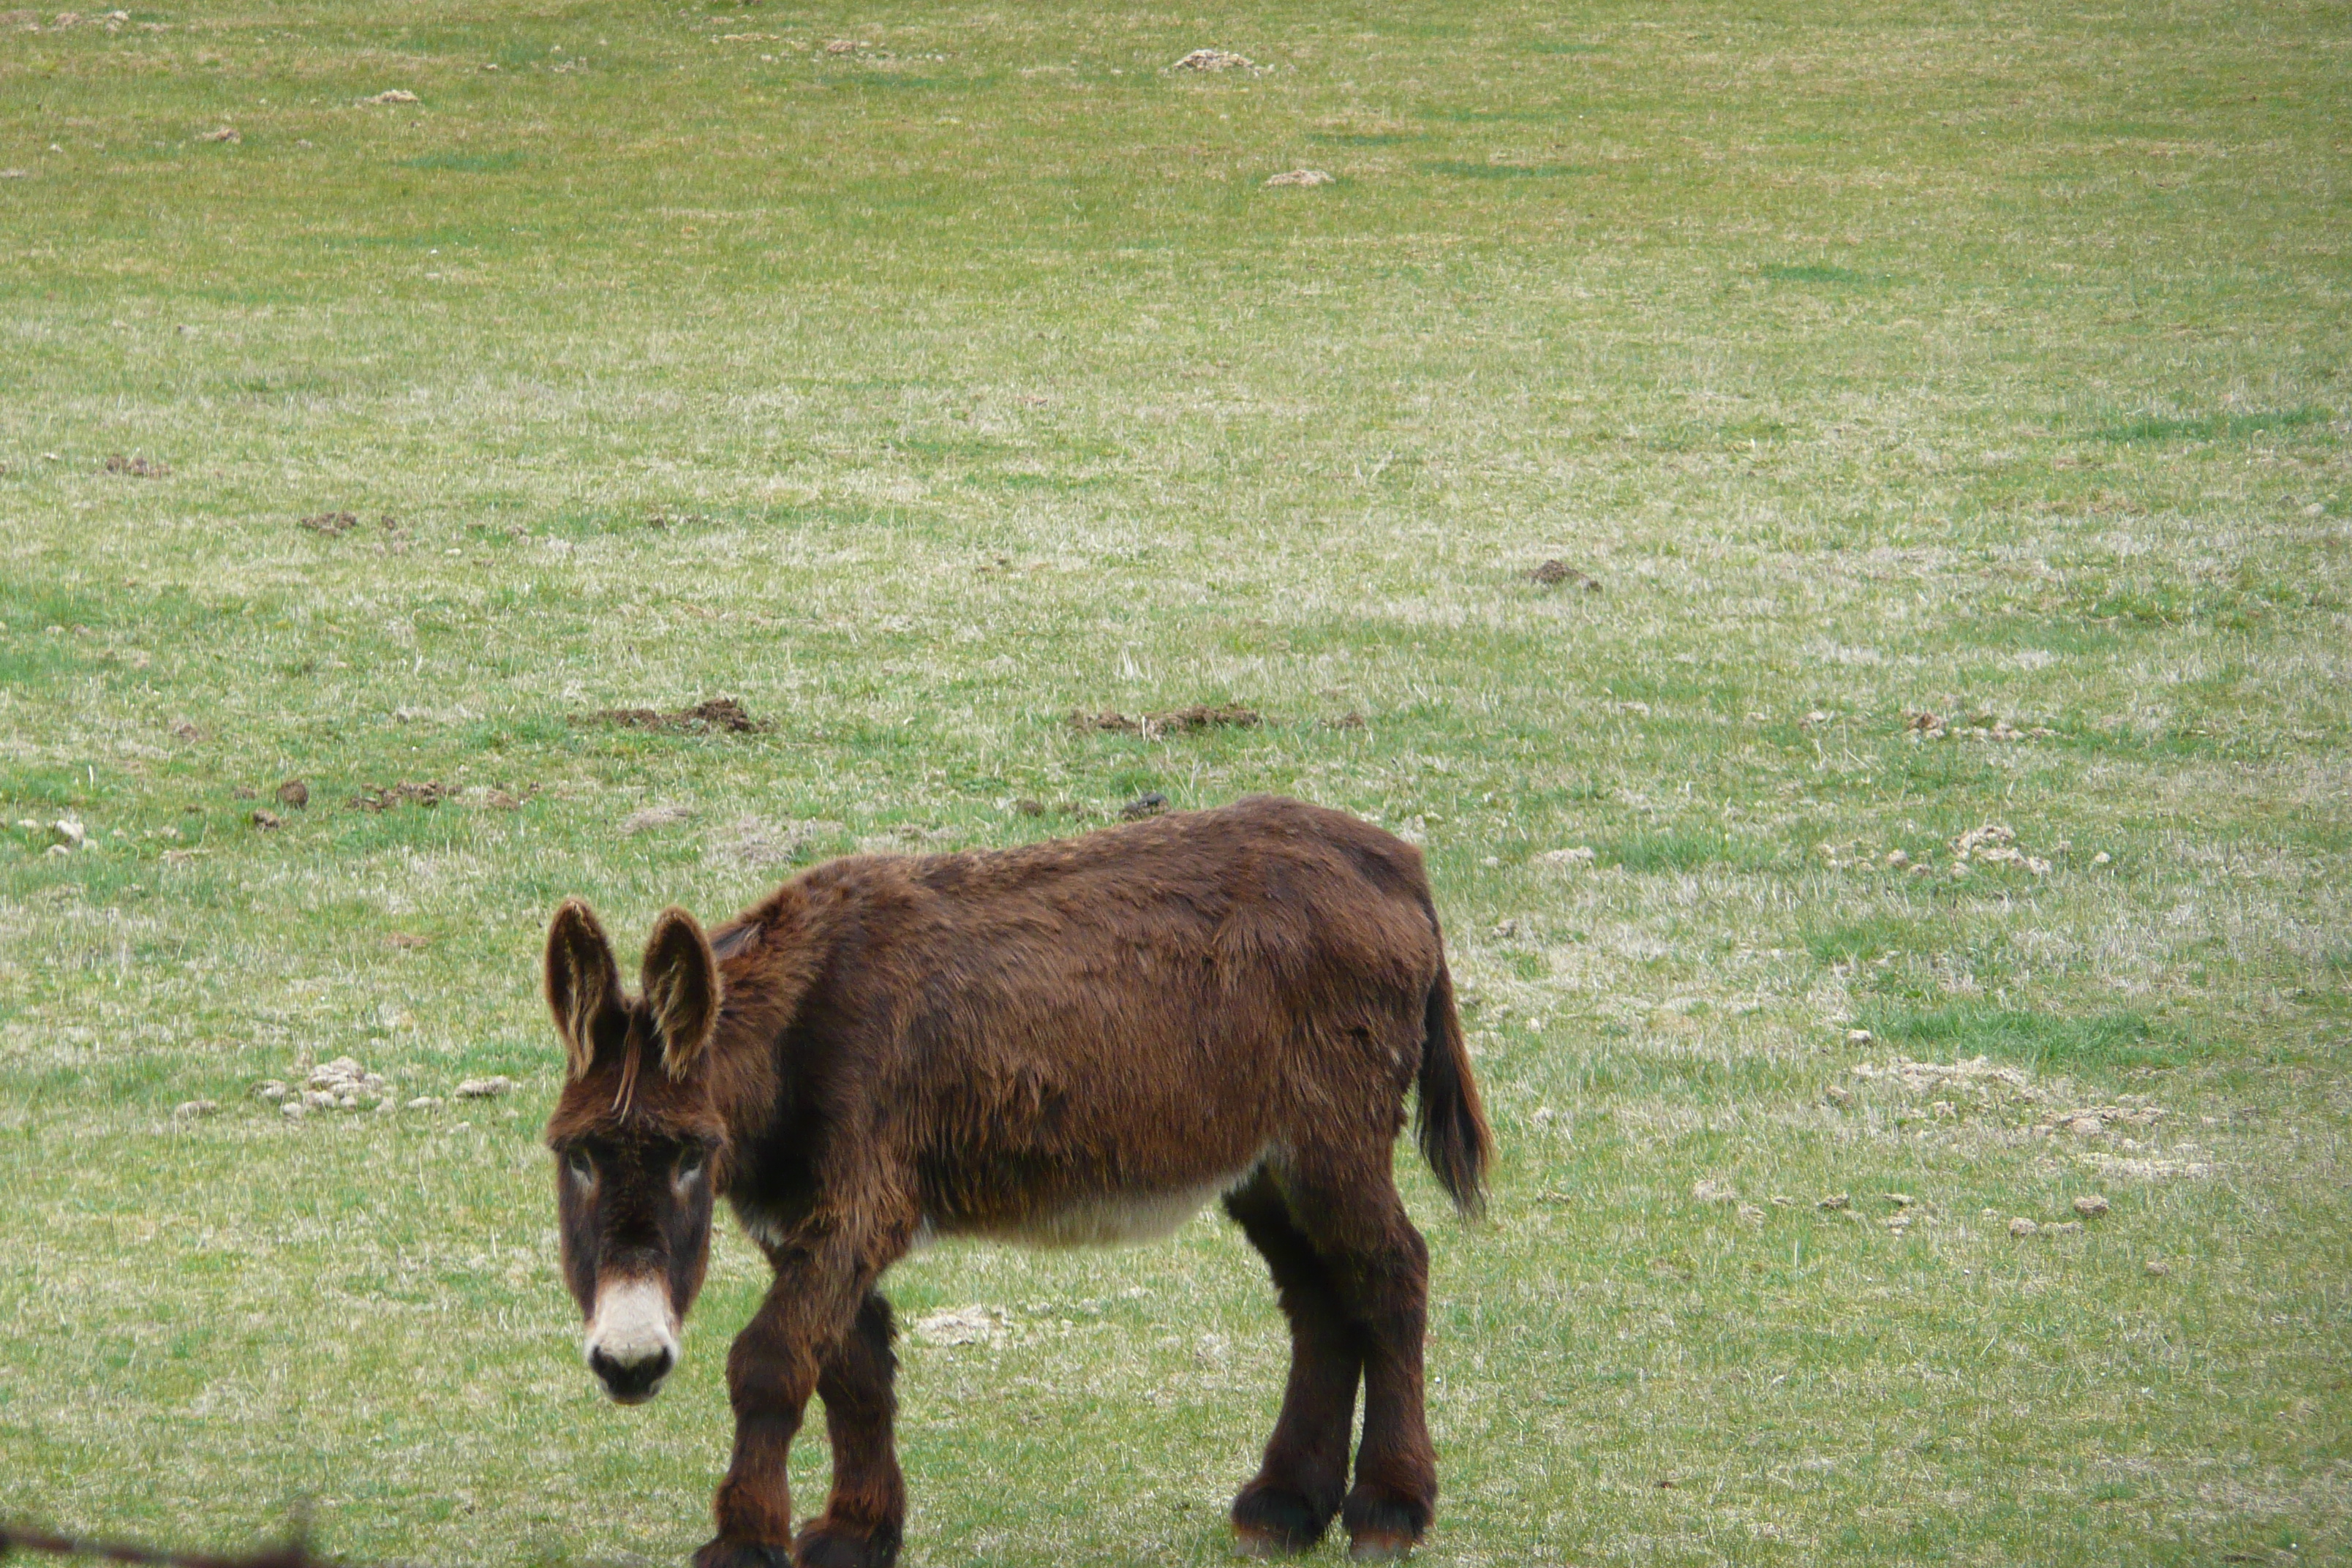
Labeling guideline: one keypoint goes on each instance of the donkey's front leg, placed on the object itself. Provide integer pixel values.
(863, 1517)
(770, 1373)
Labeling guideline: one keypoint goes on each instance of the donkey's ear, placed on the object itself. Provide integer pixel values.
(583, 983)
(681, 984)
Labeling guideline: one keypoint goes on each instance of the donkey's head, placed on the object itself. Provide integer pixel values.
(638, 1143)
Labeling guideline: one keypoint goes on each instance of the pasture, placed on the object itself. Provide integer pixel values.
(1943, 411)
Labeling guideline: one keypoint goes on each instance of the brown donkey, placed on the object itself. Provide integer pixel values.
(1079, 1041)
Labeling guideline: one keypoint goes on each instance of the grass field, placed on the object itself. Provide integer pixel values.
(916, 377)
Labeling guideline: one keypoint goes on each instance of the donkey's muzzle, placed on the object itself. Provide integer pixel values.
(632, 1337)
(633, 1382)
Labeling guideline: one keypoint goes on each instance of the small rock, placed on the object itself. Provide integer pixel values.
(189, 1108)
(69, 833)
(294, 793)
(2021, 1226)
(1543, 1116)
(2158, 1268)
(267, 820)
(484, 1088)
(1583, 855)
(1707, 1190)
(2102, 858)
(2091, 1205)
(423, 1102)
(655, 816)
(270, 1090)
(294, 1109)
(1835, 1201)
(225, 134)
(2085, 1126)
(1151, 803)
(1859, 1036)
(1214, 60)
(1837, 1095)
(1900, 1199)
(1897, 860)
(391, 95)
(1298, 177)
(317, 1100)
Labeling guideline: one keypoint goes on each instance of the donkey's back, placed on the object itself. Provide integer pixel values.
(1083, 1040)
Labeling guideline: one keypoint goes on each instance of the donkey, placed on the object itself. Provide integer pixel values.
(1079, 1041)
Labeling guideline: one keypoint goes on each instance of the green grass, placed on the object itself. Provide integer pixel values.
(1985, 363)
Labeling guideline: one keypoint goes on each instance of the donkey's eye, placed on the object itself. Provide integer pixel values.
(582, 1170)
(690, 1164)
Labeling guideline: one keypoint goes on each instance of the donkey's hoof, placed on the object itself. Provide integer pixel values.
(1275, 1521)
(1384, 1528)
(725, 1554)
(830, 1544)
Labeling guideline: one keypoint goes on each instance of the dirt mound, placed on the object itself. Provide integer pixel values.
(721, 715)
(1560, 573)
(383, 797)
(1175, 722)
(138, 467)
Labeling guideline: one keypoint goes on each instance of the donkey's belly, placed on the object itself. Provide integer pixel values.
(1108, 1219)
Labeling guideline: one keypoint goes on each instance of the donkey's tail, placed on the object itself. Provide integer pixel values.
(1450, 1123)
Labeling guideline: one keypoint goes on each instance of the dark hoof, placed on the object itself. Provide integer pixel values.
(1382, 1527)
(725, 1554)
(1274, 1521)
(825, 1544)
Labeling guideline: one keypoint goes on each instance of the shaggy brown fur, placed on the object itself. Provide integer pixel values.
(1078, 1041)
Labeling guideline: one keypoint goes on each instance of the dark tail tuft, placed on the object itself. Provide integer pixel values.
(1450, 1122)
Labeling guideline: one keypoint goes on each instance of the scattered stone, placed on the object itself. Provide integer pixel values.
(2020, 1226)
(484, 1088)
(2157, 1268)
(1298, 177)
(271, 1090)
(1559, 574)
(68, 833)
(294, 793)
(294, 1109)
(2102, 858)
(721, 715)
(344, 1085)
(1837, 1095)
(1707, 1190)
(962, 1325)
(1897, 860)
(1900, 1199)
(1835, 1201)
(423, 1102)
(188, 1110)
(1581, 854)
(267, 820)
(383, 797)
(1151, 803)
(1214, 60)
(329, 523)
(391, 95)
(138, 467)
(2091, 1205)
(1859, 1036)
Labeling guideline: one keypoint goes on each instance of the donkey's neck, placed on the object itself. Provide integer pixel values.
(768, 960)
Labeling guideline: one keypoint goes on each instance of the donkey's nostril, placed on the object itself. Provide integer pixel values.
(634, 1381)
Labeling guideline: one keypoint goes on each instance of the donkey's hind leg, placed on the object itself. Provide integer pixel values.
(1299, 1486)
(1379, 1268)
(866, 1511)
